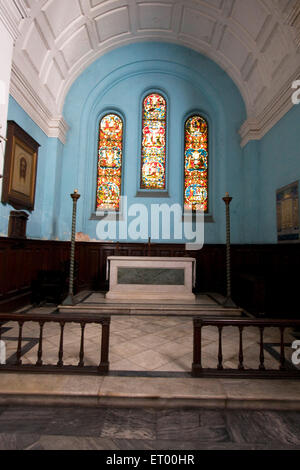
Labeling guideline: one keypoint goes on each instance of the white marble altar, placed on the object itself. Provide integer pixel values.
(153, 279)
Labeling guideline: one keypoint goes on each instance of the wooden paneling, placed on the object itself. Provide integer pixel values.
(264, 277)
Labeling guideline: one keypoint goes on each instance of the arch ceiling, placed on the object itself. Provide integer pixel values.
(256, 42)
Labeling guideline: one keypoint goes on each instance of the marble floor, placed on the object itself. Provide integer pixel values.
(69, 428)
(145, 344)
(149, 400)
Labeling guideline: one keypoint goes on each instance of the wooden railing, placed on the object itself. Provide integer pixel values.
(61, 320)
(284, 371)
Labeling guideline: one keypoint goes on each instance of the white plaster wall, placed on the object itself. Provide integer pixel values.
(6, 52)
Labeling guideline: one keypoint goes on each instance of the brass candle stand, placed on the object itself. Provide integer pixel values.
(228, 301)
(70, 298)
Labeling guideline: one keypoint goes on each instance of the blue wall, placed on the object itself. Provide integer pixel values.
(117, 82)
(279, 166)
(41, 221)
(250, 192)
(191, 83)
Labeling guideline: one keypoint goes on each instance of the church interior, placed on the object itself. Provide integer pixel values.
(149, 219)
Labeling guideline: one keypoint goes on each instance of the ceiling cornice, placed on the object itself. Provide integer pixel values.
(29, 100)
(293, 20)
(256, 128)
(256, 43)
(11, 14)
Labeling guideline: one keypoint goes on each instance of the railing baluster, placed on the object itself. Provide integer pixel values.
(197, 355)
(261, 354)
(19, 350)
(61, 345)
(39, 361)
(104, 364)
(81, 354)
(0, 339)
(282, 355)
(241, 353)
(220, 355)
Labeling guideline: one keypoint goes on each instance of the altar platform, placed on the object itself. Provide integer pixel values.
(204, 305)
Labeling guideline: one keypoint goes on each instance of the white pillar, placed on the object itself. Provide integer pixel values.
(6, 51)
(11, 14)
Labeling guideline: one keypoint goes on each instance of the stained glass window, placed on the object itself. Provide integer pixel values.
(153, 164)
(196, 164)
(109, 163)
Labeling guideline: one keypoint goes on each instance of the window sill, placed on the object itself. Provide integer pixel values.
(114, 216)
(150, 193)
(208, 218)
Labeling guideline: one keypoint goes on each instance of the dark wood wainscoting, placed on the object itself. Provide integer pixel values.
(264, 277)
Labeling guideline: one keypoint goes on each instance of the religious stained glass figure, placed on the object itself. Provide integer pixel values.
(196, 164)
(153, 161)
(109, 163)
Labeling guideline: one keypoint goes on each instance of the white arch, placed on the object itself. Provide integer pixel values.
(249, 40)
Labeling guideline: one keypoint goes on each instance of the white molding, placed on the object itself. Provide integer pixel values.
(254, 128)
(21, 7)
(295, 23)
(11, 14)
(58, 128)
(28, 99)
(264, 84)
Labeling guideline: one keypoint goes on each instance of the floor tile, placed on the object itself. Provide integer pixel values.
(123, 424)
(149, 359)
(176, 424)
(259, 427)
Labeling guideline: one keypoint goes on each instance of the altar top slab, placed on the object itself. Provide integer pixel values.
(151, 258)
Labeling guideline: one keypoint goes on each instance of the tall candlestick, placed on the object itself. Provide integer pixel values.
(228, 301)
(70, 298)
(149, 246)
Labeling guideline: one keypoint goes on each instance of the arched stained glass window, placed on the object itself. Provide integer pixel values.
(153, 164)
(109, 163)
(196, 164)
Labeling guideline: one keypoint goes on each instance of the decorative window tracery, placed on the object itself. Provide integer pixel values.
(153, 159)
(196, 164)
(110, 151)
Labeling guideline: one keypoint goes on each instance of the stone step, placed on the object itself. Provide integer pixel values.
(59, 389)
(151, 309)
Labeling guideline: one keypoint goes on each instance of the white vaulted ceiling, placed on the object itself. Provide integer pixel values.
(255, 41)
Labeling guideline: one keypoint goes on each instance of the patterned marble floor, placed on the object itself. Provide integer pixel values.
(49, 428)
(155, 344)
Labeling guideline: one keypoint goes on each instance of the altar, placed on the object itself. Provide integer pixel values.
(151, 279)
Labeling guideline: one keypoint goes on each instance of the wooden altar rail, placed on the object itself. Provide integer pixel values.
(62, 320)
(284, 370)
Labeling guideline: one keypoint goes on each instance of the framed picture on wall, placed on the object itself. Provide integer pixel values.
(287, 206)
(20, 167)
